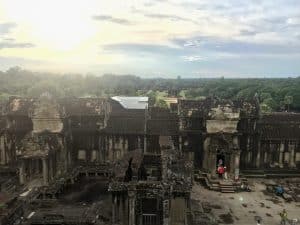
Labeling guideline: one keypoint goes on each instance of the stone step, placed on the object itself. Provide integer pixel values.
(227, 187)
(215, 189)
(227, 191)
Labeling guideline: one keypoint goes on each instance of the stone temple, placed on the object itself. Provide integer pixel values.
(145, 156)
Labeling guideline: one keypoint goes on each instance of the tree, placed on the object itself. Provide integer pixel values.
(45, 86)
(288, 100)
(271, 103)
(161, 103)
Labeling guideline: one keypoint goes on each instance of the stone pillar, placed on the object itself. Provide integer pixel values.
(125, 140)
(292, 156)
(131, 207)
(205, 163)
(51, 169)
(180, 143)
(120, 208)
(36, 166)
(145, 144)
(45, 171)
(114, 209)
(2, 151)
(281, 152)
(166, 212)
(213, 160)
(258, 156)
(237, 165)
(139, 144)
(98, 152)
(109, 148)
(22, 172)
(30, 168)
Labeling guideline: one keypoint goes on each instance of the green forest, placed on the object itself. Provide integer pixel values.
(275, 94)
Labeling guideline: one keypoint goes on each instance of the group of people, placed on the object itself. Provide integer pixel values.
(222, 170)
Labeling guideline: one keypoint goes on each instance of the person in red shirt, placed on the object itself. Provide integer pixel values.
(221, 171)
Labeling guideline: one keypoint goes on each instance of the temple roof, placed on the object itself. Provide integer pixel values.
(125, 125)
(85, 106)
(19, 106)
(284, 132)
(161, 121)
(280, 125)
(279, 117)
(162, 127)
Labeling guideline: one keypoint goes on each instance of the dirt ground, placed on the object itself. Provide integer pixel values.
(242, 208)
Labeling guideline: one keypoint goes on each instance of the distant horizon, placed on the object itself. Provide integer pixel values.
(153, 38)
(216, 76)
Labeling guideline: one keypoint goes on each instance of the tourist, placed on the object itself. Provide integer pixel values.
(225, 173)
(283, 216)
(220, 162)
(220, 171)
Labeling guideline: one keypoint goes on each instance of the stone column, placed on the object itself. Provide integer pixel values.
(213, 160)
(145, 144)
(109, 148)
(292, 156)
(120, 209)
(30, 168)
(22, 172)
(45, 171)
(139, 144)
(2, 151)
(180, 143)
(36, 166)
(125, 146)
(98, 152)
(281, 152)
(206, 153)
(114, 208)
(131, 207)
(237, 165)
(50, 165)
(166, 212)
(258, 156)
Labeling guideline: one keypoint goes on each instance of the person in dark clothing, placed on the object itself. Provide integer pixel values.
(142, 173)
(128, 173)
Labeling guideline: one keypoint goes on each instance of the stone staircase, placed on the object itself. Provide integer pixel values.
(227, 186)
(224, 186)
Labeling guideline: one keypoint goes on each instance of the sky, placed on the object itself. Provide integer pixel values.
(152, 38)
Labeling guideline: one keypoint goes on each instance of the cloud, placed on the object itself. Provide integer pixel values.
(248, 32)
(6, 28)
(8, 39)
(240, 47)
(112, 19)
(193, 58)
(166, 16)
(129, 48)
(293, 21)
(7, 44)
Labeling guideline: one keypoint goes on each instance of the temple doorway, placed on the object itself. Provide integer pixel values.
(220, 159)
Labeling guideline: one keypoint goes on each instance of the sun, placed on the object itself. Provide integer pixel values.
(57, 24)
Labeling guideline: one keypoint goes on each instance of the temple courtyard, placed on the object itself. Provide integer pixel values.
(244, 207)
